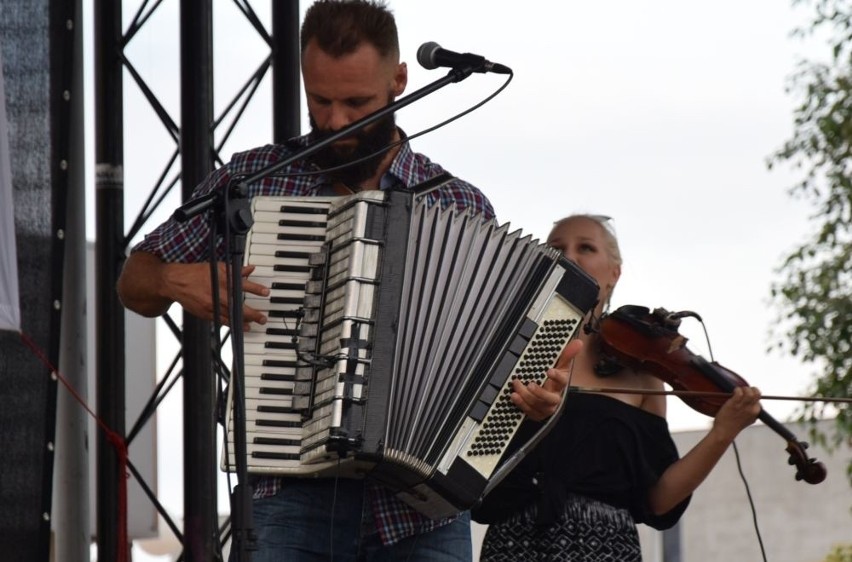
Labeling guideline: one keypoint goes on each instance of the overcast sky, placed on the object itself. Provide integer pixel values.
(660, 114)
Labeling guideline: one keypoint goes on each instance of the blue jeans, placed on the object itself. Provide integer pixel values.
(324, 521)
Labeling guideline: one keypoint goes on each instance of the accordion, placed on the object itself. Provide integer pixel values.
(394, 331)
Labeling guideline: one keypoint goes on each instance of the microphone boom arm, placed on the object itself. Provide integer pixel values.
(201, 204)
(455, 75)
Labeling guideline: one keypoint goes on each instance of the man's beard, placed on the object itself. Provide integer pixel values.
(367, 141)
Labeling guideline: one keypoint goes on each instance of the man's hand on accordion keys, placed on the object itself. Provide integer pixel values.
(190, 286)
(150, 286)
(539, 402)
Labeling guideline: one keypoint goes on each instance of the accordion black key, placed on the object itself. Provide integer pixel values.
(395, 329)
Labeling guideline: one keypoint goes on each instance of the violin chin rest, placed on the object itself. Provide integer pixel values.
(606, 367)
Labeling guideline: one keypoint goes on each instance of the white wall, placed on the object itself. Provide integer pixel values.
(799, 522)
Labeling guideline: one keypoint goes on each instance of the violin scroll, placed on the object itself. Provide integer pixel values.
(810, 470)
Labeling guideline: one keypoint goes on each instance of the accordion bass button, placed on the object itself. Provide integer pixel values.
(313, 287)
(318, 258)
(308, 330)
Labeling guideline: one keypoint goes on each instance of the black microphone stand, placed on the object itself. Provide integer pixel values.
(236, 215)
(232, 215)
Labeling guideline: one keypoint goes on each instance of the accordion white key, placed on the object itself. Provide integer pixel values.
(395, 329)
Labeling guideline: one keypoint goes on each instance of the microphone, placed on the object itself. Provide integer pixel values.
(430, 55)
(684, 314)
(672, 319)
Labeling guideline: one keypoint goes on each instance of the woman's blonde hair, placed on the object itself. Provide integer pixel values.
(608, 229)
(610, 240)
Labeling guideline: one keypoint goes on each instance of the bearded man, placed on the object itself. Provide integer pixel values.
(351, 68)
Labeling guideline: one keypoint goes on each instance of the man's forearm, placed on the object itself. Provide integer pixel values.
(140, 285)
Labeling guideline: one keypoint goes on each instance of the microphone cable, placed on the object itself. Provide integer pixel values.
(737, 457)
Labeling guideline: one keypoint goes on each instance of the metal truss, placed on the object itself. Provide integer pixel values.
(193, 154)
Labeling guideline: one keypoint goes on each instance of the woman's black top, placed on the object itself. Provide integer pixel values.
(600, 448)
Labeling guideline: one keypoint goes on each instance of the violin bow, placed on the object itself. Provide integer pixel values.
(698, 394)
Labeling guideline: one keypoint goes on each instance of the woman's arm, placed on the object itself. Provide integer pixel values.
(684, 476)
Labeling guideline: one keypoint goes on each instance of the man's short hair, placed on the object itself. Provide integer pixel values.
(340, 26)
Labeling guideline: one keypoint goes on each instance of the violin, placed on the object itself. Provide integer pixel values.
(636, 338)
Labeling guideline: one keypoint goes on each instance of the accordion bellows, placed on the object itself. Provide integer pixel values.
(395, 330)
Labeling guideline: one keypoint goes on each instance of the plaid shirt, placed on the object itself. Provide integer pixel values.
(188, 242)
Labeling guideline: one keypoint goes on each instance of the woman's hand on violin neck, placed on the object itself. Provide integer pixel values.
(738, 412)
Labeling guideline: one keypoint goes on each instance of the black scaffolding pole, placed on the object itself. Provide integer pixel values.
(200, 539)
(109, 253)
(285, 70)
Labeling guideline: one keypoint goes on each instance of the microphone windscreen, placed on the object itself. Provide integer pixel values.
(426, 55)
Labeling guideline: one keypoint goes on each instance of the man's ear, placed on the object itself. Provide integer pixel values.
(400, 79)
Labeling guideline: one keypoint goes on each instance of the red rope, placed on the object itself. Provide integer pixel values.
(117, 441)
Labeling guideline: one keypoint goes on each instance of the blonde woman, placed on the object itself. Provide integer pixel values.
(610, 462)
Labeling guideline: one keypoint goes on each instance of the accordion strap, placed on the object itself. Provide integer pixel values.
(430, 185)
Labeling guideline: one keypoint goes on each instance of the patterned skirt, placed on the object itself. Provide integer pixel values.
(587, 531)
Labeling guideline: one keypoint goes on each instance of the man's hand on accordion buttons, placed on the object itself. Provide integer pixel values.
(539, 402)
